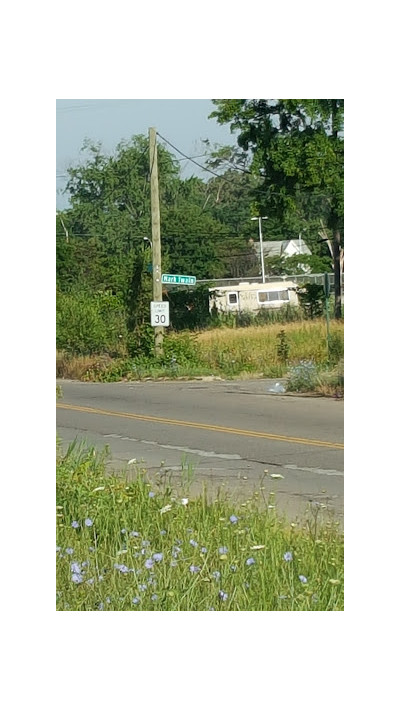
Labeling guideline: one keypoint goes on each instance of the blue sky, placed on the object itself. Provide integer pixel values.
(184, 122)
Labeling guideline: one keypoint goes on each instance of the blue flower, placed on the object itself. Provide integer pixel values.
(121, 568)
(233, 519)
(250, 561)
(154, 597)
(145, 543)
(223, 550)
(193, 543)
(233, 567)
(77, 578)
(204, 549)
(88, 522)
(216, 574)
(163, 533)
(75, 568)
(75, 524)
(134, 534)
(148, 563)
(223, 595)
(69, 551)
(90, 581)
(151, 494)
(136, 600)
(194, 569)
(302, 578)
(157, 557)
(288, 556)
(142, 587)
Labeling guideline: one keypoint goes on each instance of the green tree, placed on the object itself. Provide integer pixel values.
(297, 149)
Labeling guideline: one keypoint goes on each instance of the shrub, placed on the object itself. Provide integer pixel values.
(302, 377)
(91, 323)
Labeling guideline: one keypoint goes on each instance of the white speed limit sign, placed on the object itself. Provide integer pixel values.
(159, 312)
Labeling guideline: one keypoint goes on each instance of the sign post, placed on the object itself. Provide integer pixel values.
(327, 289)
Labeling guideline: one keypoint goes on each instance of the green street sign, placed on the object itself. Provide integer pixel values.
(177, 279)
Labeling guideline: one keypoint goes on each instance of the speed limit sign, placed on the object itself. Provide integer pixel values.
(159, 313)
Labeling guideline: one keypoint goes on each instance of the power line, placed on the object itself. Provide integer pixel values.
(262, 191)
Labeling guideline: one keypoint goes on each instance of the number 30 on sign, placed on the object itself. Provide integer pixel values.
(159, 312)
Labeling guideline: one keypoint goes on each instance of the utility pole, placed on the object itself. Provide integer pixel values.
(156, 239)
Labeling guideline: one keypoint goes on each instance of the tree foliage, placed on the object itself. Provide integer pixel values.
(297, 150)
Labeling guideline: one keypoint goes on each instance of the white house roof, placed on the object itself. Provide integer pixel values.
(278, 248)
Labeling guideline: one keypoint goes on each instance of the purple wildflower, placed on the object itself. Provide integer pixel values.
(216, 574)
(134, 534)
(77, 578)
(194, 569)
(121, 568)
(75, 568)
(233, 519)
(204, 549)
(157, 557)
(223, 595)
(288, 556)
(223, 550)
(142, 587)
(151, 494)
(148, 563)
(193, 543)
(302, 578)
(154, 597)
(163, 533)
(69, 551)
(90, 581)
(88, 522)
(136, 600)
(250, 561)
(75, 524)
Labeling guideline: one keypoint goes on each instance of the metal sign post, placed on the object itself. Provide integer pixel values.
(327, 289)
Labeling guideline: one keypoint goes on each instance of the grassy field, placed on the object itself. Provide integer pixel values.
(256, 351)
(131, 545)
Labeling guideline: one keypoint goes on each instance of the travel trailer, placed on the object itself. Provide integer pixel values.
(253, 297)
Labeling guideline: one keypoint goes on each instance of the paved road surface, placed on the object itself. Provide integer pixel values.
(229, 432)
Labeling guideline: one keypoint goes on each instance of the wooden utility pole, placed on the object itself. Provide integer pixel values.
(156, 239)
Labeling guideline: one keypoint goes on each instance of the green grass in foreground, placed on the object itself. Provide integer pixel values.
(128, 545)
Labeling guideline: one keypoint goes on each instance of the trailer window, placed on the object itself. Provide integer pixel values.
(264, 296)
(232, 297)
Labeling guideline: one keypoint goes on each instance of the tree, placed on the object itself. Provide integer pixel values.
(297, 150)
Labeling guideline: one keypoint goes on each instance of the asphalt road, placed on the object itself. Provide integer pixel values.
(227, 432)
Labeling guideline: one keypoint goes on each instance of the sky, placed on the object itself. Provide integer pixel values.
(184, 122)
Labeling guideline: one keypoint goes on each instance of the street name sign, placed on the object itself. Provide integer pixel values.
(177, 279)
(159, 313)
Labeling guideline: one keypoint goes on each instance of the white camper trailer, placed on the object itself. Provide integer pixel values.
(253, 297)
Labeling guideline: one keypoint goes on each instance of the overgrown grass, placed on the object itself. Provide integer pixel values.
(269, 351)
(131, 545)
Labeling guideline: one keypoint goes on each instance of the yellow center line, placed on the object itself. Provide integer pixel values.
(202, 426)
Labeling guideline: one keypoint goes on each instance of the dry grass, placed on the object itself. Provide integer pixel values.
(257, 346)
(76, 367)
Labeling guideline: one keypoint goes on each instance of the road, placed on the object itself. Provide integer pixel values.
(226, 432)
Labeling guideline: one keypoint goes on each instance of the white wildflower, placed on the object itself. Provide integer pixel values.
(166, 508)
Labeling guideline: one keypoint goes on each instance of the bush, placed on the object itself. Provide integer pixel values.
(91, 323)
(302, 377)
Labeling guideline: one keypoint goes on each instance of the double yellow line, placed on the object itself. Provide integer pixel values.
(202, 426)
